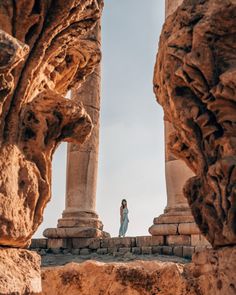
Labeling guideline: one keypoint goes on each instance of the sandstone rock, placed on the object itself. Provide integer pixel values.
(59, 243)
(134, 278)
(92, 243)
(188, 228)
(146, 241)
(118, 242)
(49, 53)
(199, 240)
(163, 229)
(19, 272)
(194, 81)
(72, 232)
(180, 240)
(211, 273)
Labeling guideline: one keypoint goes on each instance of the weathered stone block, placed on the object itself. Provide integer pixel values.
(38, 243)
(199, 249)
(43, 252)
(85, 251)
(156, 249)
(188, 251)
(118, 242)
(179, 240)
(112, 250)
(173, 219)
(66, 251)
(178, 251)
(59, 243)
(163, 229)
(92, 243)
(146, 250)
(95, 244)
(124, 250)
(19, 271)
(188, 228)
(102, 251)
(136, 250)
(147, 241)
(167, 250)
(199, 240)
(57, 250)
(75, 251)
(77, 232)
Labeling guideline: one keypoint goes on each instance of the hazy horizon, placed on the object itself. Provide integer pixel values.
(131, 159)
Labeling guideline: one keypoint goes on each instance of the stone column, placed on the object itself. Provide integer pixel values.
(79, 219)
(177, 217)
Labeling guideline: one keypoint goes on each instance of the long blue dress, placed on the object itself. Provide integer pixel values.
(124, 223)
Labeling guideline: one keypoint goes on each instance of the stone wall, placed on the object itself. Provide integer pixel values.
(178, 245)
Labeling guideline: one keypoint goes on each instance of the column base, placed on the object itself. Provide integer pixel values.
(77, 224)
(74, 232)
(71, 218)
(174, 222)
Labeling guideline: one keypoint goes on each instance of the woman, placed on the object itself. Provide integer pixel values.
(124, 220)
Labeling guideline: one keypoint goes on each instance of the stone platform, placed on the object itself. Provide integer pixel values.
(178, 245)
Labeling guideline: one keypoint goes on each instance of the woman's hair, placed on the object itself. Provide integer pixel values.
(124, 200)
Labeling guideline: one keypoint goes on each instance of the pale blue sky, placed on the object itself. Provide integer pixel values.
(131, 162)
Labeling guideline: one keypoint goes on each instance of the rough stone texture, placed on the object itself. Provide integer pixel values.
(171, 6)
(163, 229)
(199, 240)
(97, 278)
(188, 228)
(211, 273)
(44, 51)
(118, 242)
(146, 241)
(73, 232)
(194, 82)
(59, 243)
(146, 250)
(188, 251)
(178, 251)
(178, 240)
(167, 250)
(39, 243)
(90, 243)
(19, 272)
